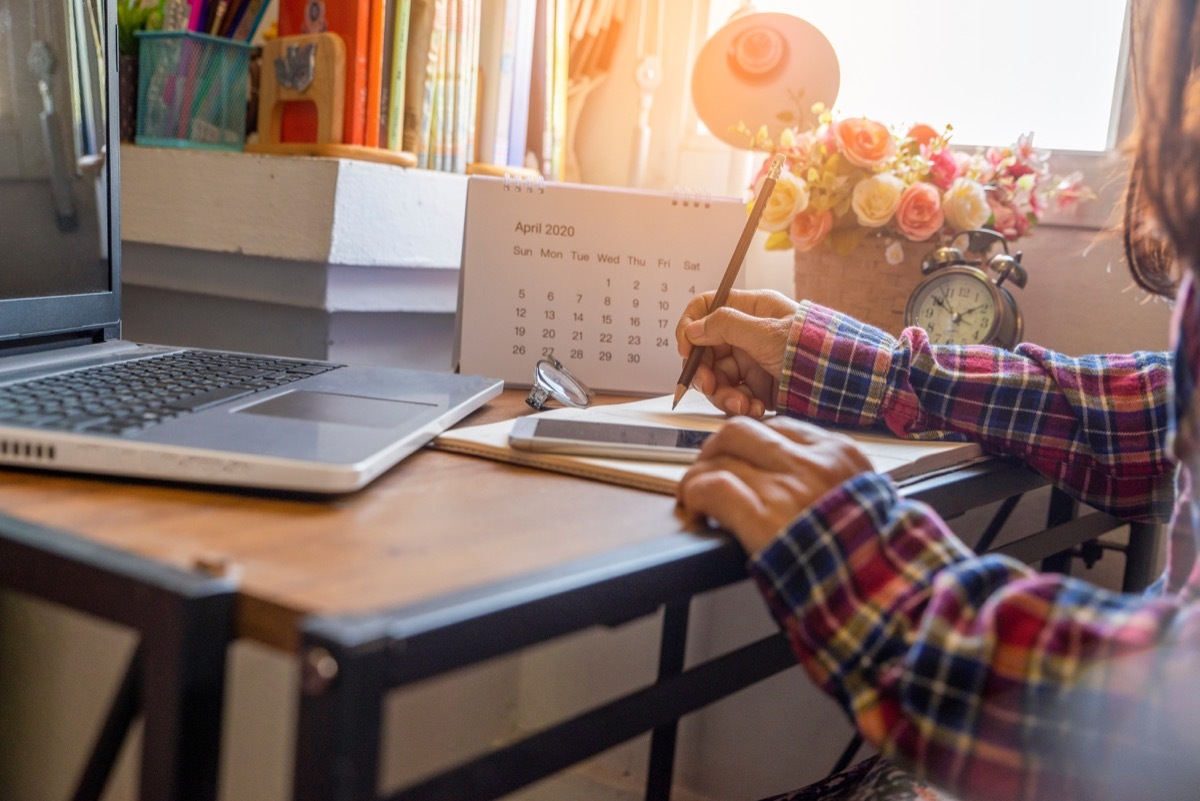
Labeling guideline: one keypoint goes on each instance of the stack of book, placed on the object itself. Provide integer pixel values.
(454, 82)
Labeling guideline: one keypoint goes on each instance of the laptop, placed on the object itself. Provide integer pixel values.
(76, 397)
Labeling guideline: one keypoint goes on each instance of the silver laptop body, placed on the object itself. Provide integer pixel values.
(331, 431)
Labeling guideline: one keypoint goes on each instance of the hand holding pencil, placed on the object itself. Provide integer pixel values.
(731, 272)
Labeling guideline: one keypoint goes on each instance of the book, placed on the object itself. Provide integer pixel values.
(349, 19)
(903, 460)
(396, 74)
(468, 118)
(433, 125)
(424, 52)
(386, 70)
(449, 78)
(374, 98)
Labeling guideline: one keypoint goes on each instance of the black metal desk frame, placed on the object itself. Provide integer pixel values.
(175, 678)
(349, 664)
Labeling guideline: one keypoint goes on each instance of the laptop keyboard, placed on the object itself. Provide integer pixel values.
(123, 396)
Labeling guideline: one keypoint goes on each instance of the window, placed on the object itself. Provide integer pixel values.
(992, 71)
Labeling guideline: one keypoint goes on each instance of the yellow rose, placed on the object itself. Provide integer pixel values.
(965, 205)
(875, 199)
(789, 198)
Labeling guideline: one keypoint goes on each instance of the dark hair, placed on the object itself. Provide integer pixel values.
(1162, 204)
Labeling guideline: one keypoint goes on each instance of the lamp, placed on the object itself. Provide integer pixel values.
(763, 68)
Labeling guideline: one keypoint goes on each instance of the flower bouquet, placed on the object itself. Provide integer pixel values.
(853, 178)
(861, 204)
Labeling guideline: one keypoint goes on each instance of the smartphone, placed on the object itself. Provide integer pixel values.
(618, 440)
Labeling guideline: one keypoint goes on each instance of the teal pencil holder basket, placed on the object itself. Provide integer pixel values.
(192, 90)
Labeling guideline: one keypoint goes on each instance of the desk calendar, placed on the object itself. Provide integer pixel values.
(595, 276)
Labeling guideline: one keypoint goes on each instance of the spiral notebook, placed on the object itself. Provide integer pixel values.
(594, 276)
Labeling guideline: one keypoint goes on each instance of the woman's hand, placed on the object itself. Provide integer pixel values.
(746, 340)
(754, 478)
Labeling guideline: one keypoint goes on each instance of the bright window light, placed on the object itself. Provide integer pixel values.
(992, 71)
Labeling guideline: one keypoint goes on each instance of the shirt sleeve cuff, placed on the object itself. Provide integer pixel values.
(835, 368)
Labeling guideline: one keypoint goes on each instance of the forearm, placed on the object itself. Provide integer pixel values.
(1095, 426)
(961, 667)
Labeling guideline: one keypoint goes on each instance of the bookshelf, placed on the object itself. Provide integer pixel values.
(320, 258)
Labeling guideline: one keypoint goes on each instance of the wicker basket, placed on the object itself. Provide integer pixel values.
(861, 283)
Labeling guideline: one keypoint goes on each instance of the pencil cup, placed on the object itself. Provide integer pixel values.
(192, 91)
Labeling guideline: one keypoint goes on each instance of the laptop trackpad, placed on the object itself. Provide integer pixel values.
(328, 407)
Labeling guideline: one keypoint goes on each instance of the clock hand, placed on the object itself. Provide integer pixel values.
(945, 304)
(942, 301)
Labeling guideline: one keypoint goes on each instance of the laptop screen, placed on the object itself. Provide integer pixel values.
(58, 199)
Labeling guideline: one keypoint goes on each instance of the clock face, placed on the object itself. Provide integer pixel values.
(956, 306)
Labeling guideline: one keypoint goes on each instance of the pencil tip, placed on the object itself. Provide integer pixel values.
(679, 390)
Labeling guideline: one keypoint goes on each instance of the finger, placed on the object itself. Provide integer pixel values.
(799, 431)
(828, 456)
(719, 494)
(763, 339)
(696, 309)
(764, 389)
(805, 433)
(738, 401)
(725, 326)
(750, 441)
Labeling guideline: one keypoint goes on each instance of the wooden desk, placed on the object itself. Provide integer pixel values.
(445, 561)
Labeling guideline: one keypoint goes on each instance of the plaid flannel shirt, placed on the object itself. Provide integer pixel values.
(979, 674)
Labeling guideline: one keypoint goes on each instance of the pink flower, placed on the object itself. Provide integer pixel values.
(1027, 154)
(864, 142)
(1016, 170)
(1006, 218)
(809, 229)
(943, 167)
(919, 215)
(1070, 192)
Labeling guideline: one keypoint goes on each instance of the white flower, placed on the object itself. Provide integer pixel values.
(875, 199)
(965, 205)
(789, 198)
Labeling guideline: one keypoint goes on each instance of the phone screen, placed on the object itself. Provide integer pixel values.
(607, 439)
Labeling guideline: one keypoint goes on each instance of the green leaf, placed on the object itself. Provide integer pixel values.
(133, 16)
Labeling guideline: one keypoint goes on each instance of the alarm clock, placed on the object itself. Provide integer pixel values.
(962, 300)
